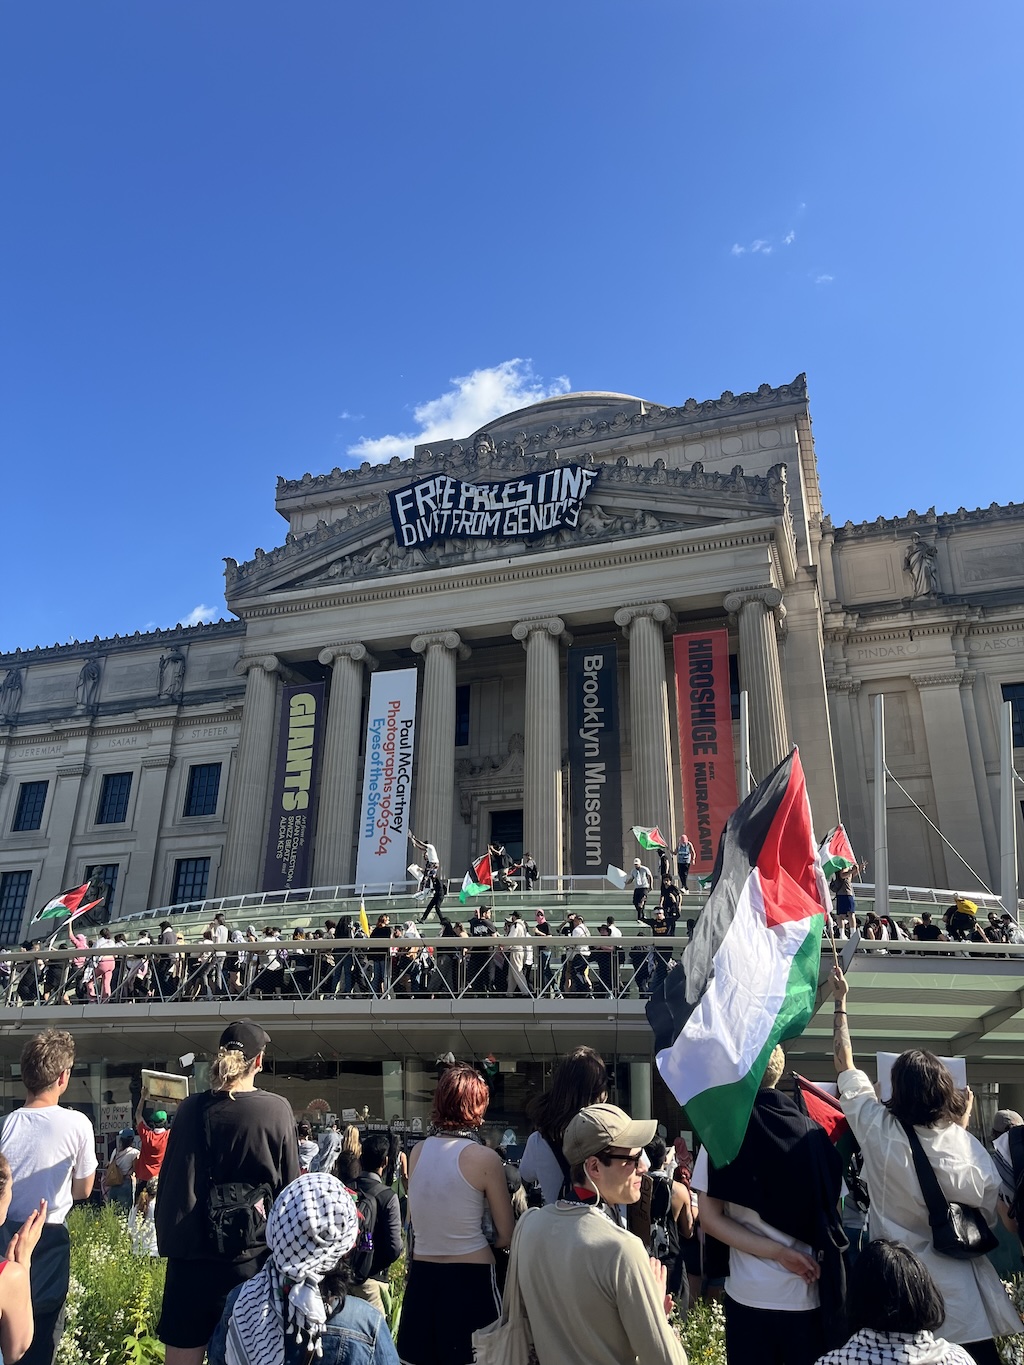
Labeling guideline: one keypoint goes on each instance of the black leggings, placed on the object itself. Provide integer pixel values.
(767, 1336)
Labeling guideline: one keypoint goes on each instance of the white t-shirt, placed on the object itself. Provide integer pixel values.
(46, 1148)
(754, 1282)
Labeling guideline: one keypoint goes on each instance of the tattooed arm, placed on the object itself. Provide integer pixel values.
(842, 1048)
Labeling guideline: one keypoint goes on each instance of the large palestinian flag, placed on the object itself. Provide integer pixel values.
(750, 972)
(67, 903)
(836, 853)
(477, 880)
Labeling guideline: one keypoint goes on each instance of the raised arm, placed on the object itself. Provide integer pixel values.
(842, 1048)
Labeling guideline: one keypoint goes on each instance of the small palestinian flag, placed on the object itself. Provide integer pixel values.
(649, 838)
(750, 973)
(477, 880)
(836, 853)
(67, 903)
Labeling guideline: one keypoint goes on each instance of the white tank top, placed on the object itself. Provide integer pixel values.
(446, 1211)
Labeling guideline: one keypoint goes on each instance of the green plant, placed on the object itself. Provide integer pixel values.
(1011, 1349)
(703, 1333)
(114, 1296)
(396, 1283)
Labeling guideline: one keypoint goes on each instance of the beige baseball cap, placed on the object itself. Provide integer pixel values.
(604, 1125)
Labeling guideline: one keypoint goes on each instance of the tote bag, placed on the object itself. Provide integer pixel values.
(508, 1341)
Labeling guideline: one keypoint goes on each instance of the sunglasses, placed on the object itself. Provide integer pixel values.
(631, 1158)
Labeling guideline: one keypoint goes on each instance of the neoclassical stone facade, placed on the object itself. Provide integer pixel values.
(706, 515)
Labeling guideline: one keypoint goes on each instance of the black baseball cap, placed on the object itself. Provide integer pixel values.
(249, 1038)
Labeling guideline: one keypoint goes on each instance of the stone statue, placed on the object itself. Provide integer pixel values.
(10, 695)
(88, 683)
(483, 446)
(919, 562)
(172, 675)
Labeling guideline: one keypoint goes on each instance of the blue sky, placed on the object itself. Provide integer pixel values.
(243, 239)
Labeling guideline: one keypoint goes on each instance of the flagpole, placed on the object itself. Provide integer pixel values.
(744, 747)
(881, 829)
(1007, 814)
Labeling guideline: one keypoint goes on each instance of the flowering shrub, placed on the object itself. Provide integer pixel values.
(1011, 1349)
(703, 1333)
(114, 1297)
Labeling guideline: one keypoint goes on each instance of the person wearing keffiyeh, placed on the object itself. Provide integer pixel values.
(295, 1311)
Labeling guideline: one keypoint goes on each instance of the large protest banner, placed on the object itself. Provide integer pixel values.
(442, 506)
(382, 842)
(293, 795)
(595, 788)
(705, 739)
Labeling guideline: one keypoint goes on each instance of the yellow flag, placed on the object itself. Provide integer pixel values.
(364, 923)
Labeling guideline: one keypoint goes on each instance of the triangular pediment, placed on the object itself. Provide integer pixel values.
(626, 501)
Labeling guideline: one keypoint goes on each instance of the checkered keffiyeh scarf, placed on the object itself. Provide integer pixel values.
(312, 1225)
(868, 1347)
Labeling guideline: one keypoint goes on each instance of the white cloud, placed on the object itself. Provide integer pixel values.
(759, 245)
(738, 250)
(789, 238)
(199, 614)
(472, 401)
(347, 416)
(823, 279)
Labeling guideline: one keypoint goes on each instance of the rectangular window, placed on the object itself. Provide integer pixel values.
(31, 800)
(191, 878)
(203, 789)
(1014, 694)
(103, 875)
(114, 793)
(13, 899)
(462, 715)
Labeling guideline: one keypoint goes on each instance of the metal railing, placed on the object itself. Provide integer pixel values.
(537, 967)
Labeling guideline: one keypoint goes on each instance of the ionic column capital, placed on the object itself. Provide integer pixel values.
(270, 663)
(349, 649)
(443, 639)
(549, 625)
(658, 612)
(770, 599)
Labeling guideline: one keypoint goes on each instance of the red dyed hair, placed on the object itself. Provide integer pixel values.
(461, 1098)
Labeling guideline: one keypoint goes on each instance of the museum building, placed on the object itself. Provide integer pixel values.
(500, 640)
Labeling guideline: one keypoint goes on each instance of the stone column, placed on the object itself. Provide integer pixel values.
(644, 624)
(542, 752)
(242, 868)
(989, 819)
(758, 609)
(336, 813)
(435, 741)
(139, 891)
(61, 829)
(949, 758)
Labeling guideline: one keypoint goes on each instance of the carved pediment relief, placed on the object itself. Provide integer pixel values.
(628, 501)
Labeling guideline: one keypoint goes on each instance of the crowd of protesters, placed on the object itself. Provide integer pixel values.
(600, 1230)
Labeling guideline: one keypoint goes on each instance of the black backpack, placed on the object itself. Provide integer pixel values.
(664, 1234)
(361, 1255)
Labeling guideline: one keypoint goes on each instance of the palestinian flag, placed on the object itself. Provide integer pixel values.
(824, 1109)
(67, 903)
(477, 880)
(649, 838)
(750, 973)
(836, 853)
